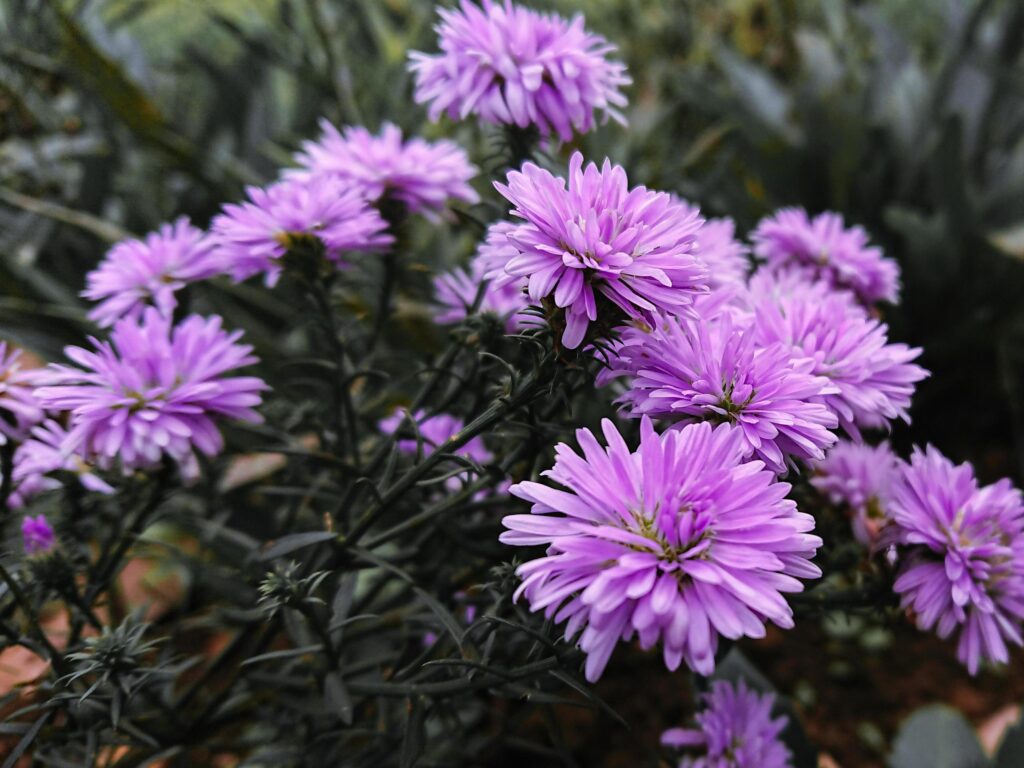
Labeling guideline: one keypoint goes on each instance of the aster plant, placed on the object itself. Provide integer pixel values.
(377, 523)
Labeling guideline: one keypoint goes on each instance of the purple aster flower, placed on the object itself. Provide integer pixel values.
(19, 409)
(599, 243)
(824, 248)
(457, 290)
(690, 370)
(875, 379)
(44, 453)
(137, 273)
(435, 431)
(680, 541)
(514, 66)
(421, 175)
(860, 477)
(961, 551)
(735, 729)
(725, 257)
(495, 252)
(252, 237)
(37, 535)
(152, 391)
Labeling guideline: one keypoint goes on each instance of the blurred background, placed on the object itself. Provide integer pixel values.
(907, 116)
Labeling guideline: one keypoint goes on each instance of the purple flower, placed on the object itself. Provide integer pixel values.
(514, 66)
(434, 431)
(252, 237)
(457, 290)
(599, 243)
(961, 553)
(154, 390)
(861, 478)
(495, 252)
(690, 370)
(875, 379)
(42, 454)
(37, 535)
(725, 257)
(680, 541)
(19, 409)
(736, 730)
(138, 273)
(421, 175)
(824, 248)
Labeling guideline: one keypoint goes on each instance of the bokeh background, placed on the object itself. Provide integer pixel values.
(907, 116)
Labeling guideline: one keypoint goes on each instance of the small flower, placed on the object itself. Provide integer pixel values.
(495, 252)
(19, 409)
(42, 454)
(511, 65)
(252, 237)
(725, 257)
(680, 541)
(434, 431)
(457, 290)
(599, 245)
(861, 478)
(705, 370)
(961, 552)
(423, 176)
(736, 730)
(140, 273)
(874, 379)
(823, 247)
(37, 535)
(153, 390)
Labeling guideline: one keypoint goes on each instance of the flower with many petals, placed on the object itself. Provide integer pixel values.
(680, 541)
(597, 245)
(140, 273)
(823, 247)
(724, 255)
(713, 370)
(874, 378)
(434, 431)
(420, 175)
(961, 552)
(457, 290)
(252, 237)
(43, 454)
(153, 390)
(19, 408)
(735, 729)
(860, 477)
(511, 65)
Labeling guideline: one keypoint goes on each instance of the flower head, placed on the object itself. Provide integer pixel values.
(423, 176)
(597, 244)
(680, 541)
(138, 273)
(874, 379)
(736, 730)
(19, 408)
(434, 431)
(514, 66)
(689, 370)
(37, 535)
(860, 477)
(42, 454)
(724, 255)
(457, 290)
(495, 252)
(253, 236)
(961, 555)
(152, 391)
(823, 247)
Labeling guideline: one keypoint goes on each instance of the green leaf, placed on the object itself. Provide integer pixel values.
(937, 736)
(337, 696)
(296, 541)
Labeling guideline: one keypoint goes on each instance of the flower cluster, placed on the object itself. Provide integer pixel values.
(140, 273)
(510, 65)
(961, 552)
(420, 175)
(594, 243)
(153, 390)
(736, 730)
(680, 541)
